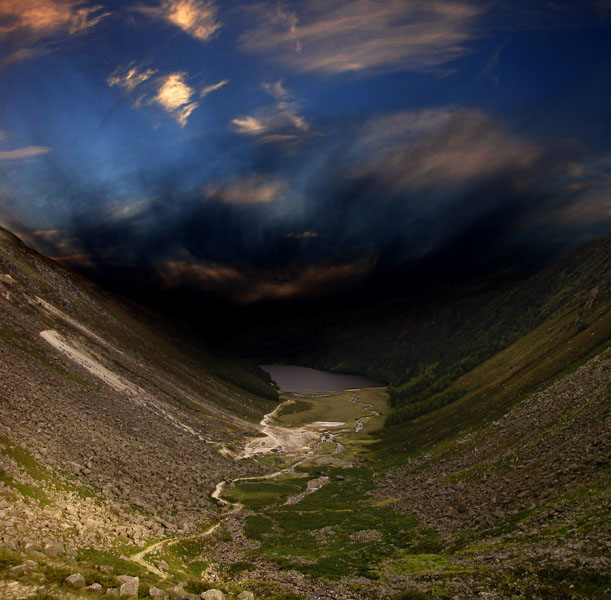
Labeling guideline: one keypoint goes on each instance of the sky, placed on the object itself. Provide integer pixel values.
(261, 151)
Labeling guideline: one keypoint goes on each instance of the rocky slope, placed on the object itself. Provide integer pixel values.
(111, 416)
(116, 425)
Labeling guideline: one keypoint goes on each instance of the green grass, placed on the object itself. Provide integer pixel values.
(27, 491)
(111, 559)
(325, 535)
(418, 564)
(337, 407)
(258, 494)
(531, 363)
(38, 473)
(296, 407)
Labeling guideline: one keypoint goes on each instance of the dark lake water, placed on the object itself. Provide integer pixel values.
(303, 379)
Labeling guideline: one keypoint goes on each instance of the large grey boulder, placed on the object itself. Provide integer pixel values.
(76, 581)
(178, 592)
(158, 594)
(213, 595)
(246, 595)
(162, 565)
(129, 587)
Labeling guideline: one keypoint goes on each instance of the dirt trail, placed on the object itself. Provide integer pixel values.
(289, 441)
(299, 442)
(139, 556)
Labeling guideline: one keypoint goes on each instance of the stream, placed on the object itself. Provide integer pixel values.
(298, 441)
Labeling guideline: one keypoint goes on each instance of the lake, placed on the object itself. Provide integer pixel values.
(291, 378)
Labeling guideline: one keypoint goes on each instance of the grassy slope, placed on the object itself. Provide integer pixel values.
(490, 354)
(371, 522)
(424, 348)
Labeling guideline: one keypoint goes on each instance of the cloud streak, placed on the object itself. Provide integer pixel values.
(23, 153)
(441, 147)
(38, 18)
(33, 28)
(251, 189)
(333, 36)
(197, 18)
(213, 88)
(130, 78)
(280, 121)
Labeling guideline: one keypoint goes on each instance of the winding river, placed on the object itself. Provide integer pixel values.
(301, 443)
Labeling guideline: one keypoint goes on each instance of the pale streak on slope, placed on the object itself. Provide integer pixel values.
(93, 366)
(68, 319)
(118, 383)
(56, 312)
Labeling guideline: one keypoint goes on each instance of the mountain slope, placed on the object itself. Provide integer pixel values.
(113, 397)
(435, 352)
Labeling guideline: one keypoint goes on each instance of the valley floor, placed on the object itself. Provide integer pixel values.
(517, 510)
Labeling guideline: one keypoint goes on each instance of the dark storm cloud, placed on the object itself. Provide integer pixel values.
(451, 185)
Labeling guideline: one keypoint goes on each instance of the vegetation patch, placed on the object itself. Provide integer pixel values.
(258, 494)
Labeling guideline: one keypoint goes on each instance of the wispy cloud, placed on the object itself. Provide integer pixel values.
(197, 18)
(23, 153)
(309, 281)
(251, 189)
(493, 61)
(432, 148)
(130, 77)
(250, 286)
(174, 95)
(334, 36)
(180, 272)
(212, 88)
(34, 27)
(304, 235)
(39, 18)
(170, 92)
(278, 122)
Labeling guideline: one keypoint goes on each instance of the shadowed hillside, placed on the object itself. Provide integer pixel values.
(438, 351)
(124, 401)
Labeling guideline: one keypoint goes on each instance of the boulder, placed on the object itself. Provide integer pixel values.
(112, 592)
(31, 547)
(158, 594)
(94, 587)
(54, 549)
(129, 587)
(76, 580)
(246, 595)
(213, 595)
(178, 592)
(162, 565)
